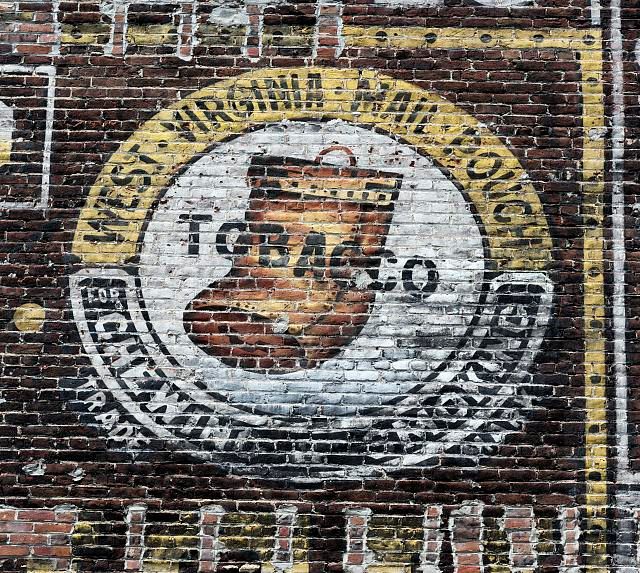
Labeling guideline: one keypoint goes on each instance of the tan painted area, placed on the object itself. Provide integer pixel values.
(29, 317)
(506, 202)
(5, 151)
(343, 205)
(41, 566)
(219, 35)
(288, 36)
(389, 569)
(85, 34)
(161, 566)
(152, 35)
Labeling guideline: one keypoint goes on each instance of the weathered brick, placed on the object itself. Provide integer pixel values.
(325, 255)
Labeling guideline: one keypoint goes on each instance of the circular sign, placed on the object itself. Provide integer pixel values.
(328, 271)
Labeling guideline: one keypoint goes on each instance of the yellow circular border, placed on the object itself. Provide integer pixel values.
(492, 178)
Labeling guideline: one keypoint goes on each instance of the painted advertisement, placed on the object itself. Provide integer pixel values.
(307, 286)
(319, 294)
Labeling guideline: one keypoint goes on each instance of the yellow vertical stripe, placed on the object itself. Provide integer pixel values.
(593, 182)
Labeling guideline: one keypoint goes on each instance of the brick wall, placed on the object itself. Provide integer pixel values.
(42, 537)
(319, 286)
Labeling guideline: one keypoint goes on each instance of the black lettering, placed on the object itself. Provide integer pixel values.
(398, 106)
(368, 95)
(421, 115)
(130, 356)
(314, 247)
(106, 200)
(427, 286)
(273, 238)
(516, 308)
(295, 89)
(106, 235)
(241, 105)
(258, 95)
(194, 230)
(215, 115)
(146, 159)
(186, 114)
(141, 156)
(477, 168)
(514, 189)
(181, 130)
(340, 263)
(127, 178)
(466, 144)
(280, 93)
(314, 92)
(502, 215)
(522, 206)
(222, 239)
(390, 283)
(363, 94)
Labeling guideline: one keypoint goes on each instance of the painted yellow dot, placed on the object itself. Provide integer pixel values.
(29, 317)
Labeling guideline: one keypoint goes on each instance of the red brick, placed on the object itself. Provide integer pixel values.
(36, 515)
(14, 551)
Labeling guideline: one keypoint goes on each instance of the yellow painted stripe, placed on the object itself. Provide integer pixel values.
(413, 37)
(593, 165)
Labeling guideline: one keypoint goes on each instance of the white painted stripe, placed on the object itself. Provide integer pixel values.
(57, 29)
(433, 537)
(50, 71)
(519, 523)
(190, 21)
(570, 532)
(596, 9)
(466, 525)
(48, 134)
(357, 557)
(136, 520)
(339, 25)
(618, 229)
(209, 546)
(286, 522)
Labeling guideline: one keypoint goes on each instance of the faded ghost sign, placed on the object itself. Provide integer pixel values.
(256, 264)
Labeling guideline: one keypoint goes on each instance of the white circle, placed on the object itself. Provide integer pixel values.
(405, 340)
